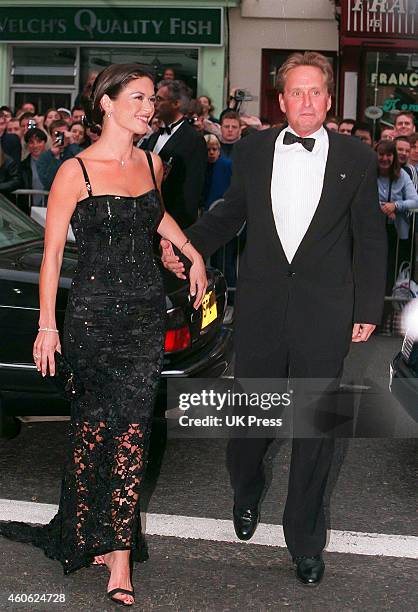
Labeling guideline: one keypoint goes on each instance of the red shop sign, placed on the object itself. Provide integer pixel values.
(380, 18)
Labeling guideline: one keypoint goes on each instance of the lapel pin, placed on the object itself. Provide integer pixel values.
(342, 176)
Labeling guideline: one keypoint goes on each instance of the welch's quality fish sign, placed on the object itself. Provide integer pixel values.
(165, 26)
(376, 17)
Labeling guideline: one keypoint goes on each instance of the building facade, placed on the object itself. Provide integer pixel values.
(48, 48)
(264, 32)
(379, 59)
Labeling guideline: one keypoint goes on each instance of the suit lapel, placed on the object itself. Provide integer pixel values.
(171, 142)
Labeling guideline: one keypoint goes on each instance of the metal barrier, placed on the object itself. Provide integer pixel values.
(390, 298)
(27, 195)
(224, 252)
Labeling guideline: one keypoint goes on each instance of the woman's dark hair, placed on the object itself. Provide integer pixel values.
(110, 81)
(389, 147)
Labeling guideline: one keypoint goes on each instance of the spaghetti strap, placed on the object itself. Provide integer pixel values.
(86, 176)
(151, 167)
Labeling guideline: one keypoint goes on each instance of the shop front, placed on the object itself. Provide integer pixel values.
(379, 59)
(48, 50)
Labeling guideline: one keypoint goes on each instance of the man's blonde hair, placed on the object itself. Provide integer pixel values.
(309, 58)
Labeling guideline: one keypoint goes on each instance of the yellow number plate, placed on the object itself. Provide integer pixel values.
(209, 310)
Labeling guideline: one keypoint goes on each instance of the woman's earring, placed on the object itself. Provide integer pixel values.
(109, 114)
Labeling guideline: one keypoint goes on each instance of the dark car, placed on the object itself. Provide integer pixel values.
(404, 375)
(196, 342)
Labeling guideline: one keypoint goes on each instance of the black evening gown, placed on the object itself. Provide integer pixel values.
(114, 338)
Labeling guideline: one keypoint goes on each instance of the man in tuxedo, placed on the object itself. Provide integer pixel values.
(183, 151)
(311, 279)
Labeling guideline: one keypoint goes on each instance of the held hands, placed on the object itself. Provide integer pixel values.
(197, 273)
(45, 345)
(362, 332)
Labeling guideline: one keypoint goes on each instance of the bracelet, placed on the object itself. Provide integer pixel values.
(187, 242)
(48, 329)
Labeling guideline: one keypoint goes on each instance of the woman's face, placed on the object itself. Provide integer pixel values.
(385, 160)
(93, 134)
(213, 153)
(204, 102)
(133, 108)
(50, 117)
(78, 133)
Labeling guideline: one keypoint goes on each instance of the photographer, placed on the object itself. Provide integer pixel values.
(62, 148)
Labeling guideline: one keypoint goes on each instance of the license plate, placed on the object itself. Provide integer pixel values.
(209, 310)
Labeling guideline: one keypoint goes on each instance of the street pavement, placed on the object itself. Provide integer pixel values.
(197, 564)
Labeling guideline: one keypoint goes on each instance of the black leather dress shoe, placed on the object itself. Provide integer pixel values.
(245, 522)
(309, 570)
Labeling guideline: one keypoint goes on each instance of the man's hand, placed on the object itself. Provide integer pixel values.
(170, 260)
(362, 332)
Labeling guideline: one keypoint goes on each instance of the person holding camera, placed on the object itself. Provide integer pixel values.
(62, 148)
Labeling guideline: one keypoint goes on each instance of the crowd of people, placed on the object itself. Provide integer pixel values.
(198, 159)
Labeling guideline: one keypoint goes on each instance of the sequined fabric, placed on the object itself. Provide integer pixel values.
(113, 336)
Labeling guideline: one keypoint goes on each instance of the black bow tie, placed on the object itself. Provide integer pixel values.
(167, 129)
(290, 138)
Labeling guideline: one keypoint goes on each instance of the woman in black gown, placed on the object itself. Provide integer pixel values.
(113, 331)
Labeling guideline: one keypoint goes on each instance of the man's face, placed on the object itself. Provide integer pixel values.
(414, 154)
(364, 137)
(387, 134)
(7, 114)
(404, 125)
(28, 107)
(165, 108)
(197, 122)
(13, 127)
(404, 151)
(305, 99)
(36, 147)
(332, 126)
(230, 129)
(345, 128)
(77, 115)
(24, 125)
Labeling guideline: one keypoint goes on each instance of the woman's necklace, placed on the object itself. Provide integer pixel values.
(122, 162)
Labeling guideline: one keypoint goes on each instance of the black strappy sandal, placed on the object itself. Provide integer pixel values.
(120, 601)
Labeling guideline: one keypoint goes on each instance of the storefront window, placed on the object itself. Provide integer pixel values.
(182, 61)
(43, 65)
(392, 83)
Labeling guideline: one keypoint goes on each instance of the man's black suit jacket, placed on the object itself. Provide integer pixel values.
(182, 189)
(337, 276)
(10, 144)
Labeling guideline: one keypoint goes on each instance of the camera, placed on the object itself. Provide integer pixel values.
(31, 124)
(59, 138)
(241, 95)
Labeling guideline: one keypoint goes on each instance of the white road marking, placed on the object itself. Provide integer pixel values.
(218, 530)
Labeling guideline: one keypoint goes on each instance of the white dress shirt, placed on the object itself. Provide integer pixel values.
(162, 138)
(296, 187)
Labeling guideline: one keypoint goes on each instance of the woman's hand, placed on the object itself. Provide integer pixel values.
(198, 280)
(170, 261)
(388, 208)
(44, 347)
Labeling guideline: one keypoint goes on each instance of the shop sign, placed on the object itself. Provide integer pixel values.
(159, 26)
(401, 79)
(380, 17)
(394, 104)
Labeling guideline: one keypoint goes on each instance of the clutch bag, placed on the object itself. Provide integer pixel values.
(66, 380)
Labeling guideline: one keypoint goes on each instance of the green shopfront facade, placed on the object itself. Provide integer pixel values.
(47, 48)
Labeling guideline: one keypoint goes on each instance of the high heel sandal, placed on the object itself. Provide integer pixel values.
(125, 591)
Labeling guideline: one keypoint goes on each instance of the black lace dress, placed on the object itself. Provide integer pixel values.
(114, 337)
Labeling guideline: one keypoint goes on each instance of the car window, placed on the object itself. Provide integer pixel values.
(15, 226)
